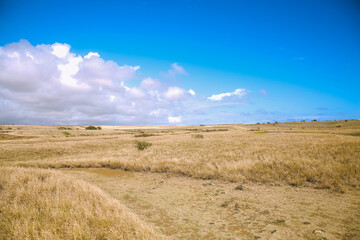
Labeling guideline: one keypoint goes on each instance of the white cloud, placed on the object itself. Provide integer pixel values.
(174, 93)
(50, 84)
(173, 120)
(135, 68)
(238, 92)
(149, 83)
(192, 92)
(176, 69)
(92, 54)
(60, 50)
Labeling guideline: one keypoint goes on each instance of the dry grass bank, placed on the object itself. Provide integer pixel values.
(315, 154)
(43, 204)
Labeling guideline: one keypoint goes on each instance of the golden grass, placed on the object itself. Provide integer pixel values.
(315, 154)
(43, 204)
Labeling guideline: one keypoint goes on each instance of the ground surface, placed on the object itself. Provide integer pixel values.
(186, 208)
(301, 180)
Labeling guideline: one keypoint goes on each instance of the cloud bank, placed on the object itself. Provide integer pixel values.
(49, 84)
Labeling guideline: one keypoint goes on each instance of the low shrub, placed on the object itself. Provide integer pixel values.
(64, 128)
(142, 145)
(91, 128)
(198, 136)
(66, 134)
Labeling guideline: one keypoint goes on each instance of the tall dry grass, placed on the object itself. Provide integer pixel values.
(297, 154)
(43, 204)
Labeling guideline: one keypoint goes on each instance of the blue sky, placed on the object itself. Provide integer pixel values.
(294, 59)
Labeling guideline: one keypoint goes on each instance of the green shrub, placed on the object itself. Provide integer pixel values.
(98, 128)
(66, 134)
(64, 128)
(91, 128)
(141, 145)
(199, 136)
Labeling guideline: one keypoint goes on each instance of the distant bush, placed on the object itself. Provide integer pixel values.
(202, 125)
(199, 136)
(64, 128)
(91, 128)
(338, 126)
(98, 128)
(66, 134)
(216, 130)
(142, 145)
(346, 120)
(314, 120)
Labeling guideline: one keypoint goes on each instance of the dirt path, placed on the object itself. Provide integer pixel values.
(186, 208)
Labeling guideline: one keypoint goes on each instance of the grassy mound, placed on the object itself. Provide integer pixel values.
(43, 204)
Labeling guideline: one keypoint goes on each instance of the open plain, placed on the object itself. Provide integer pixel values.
(295, 180)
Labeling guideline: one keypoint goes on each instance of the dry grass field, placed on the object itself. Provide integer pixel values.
(306, 168)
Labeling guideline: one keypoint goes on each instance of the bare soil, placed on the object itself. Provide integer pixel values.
(186, 208)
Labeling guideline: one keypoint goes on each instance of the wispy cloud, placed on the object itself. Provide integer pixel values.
(238, 92)
(264, 92)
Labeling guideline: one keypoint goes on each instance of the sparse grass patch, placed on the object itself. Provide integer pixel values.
(260, 132)
(142, 145)
(144, 135)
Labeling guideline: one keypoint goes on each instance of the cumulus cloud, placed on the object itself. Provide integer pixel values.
(238, 92)
(174, 119)
(50, 84)
(92, 54)
(174, 93)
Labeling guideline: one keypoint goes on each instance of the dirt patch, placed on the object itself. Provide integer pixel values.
(103, 171)
(186, 208)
